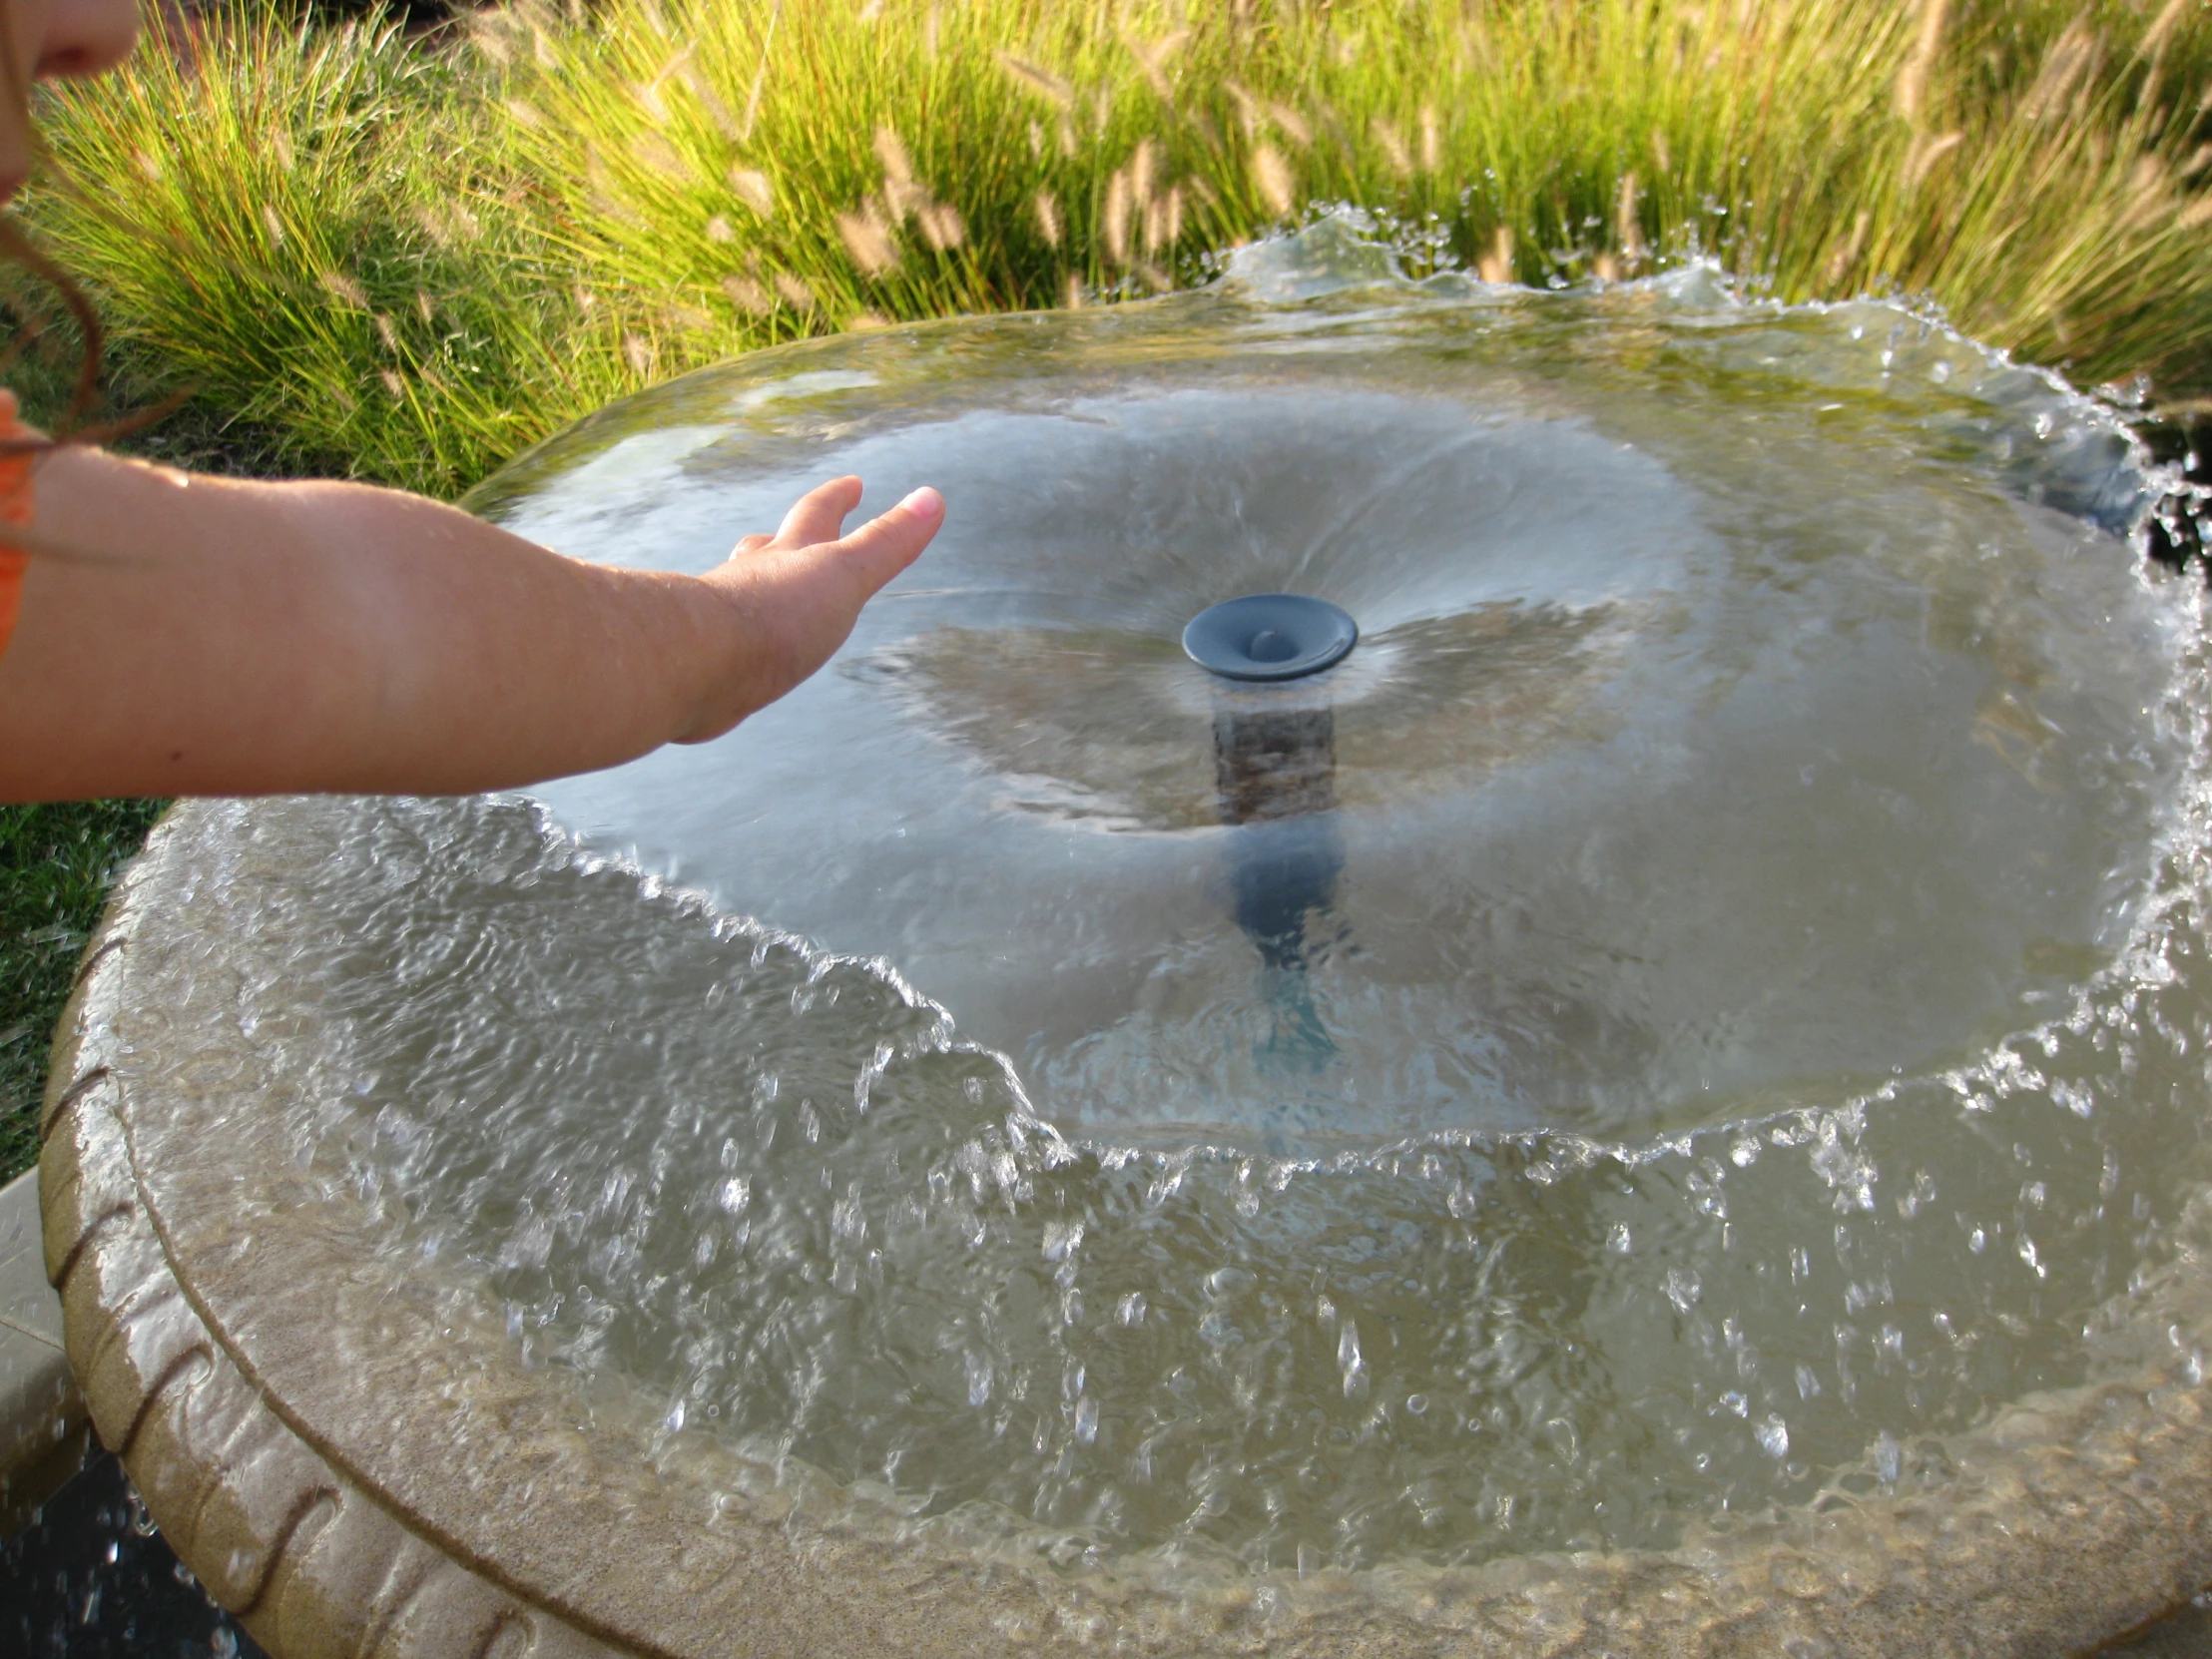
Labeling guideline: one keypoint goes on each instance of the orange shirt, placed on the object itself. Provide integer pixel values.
(15, 508)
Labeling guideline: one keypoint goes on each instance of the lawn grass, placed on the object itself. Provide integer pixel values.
(367, 256)
(55, 862)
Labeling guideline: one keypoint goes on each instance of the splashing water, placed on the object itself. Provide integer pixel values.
(1744, 1020)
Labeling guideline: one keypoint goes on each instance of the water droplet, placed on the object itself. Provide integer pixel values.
(1773, 1436)
(1888, 1460)
(1683, 1288)
(1349, 1361)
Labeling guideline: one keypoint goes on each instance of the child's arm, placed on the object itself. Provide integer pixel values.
(257, 638)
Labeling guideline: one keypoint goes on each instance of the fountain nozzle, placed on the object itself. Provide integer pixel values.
(1269, 636)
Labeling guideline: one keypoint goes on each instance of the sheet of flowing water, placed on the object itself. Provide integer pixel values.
(1719, 1004)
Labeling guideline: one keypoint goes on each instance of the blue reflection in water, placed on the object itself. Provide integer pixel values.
(1274, 776)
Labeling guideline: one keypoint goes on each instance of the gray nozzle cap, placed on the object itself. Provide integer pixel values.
(1269, 636)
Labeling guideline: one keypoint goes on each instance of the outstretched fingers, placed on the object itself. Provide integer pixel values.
(819, 514)
(811, 535)
(794, 596)
(890, 542)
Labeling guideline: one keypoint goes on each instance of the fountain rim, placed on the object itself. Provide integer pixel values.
(222, 1438)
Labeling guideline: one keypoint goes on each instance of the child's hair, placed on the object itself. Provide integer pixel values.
(73, 424)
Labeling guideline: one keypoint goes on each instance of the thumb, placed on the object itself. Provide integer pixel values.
(887, 544)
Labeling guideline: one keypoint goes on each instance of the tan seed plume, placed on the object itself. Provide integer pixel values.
(796, 294)
(1393, 145)
(1141, 168)
(488, 34)
(941, 226)
(1246, 106)
(890, 150)
(1152, 60)
(1497, 267)
(1038, 80)
(1629, 229)
(869, 240)
(1048, 217)
(1912, 79)
(1270, 175)
(1114, 227)
(718, 112)
(656, 152)
(345, 287)
(1924, 153)
(747, 295)
(753, 190)
(1291, 125)
(2161, 27)
(2067, 62)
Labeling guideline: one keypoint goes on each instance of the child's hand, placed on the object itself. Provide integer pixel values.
(794, 596)
(251, 638)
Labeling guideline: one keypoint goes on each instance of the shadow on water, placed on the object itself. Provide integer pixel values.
(91, 1578)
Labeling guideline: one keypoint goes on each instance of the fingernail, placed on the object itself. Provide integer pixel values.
(925, 503)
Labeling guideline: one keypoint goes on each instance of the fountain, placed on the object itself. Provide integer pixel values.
(1469, 971)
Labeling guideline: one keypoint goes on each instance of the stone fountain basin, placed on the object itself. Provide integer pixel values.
(340, 1392)
(355, 1459)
